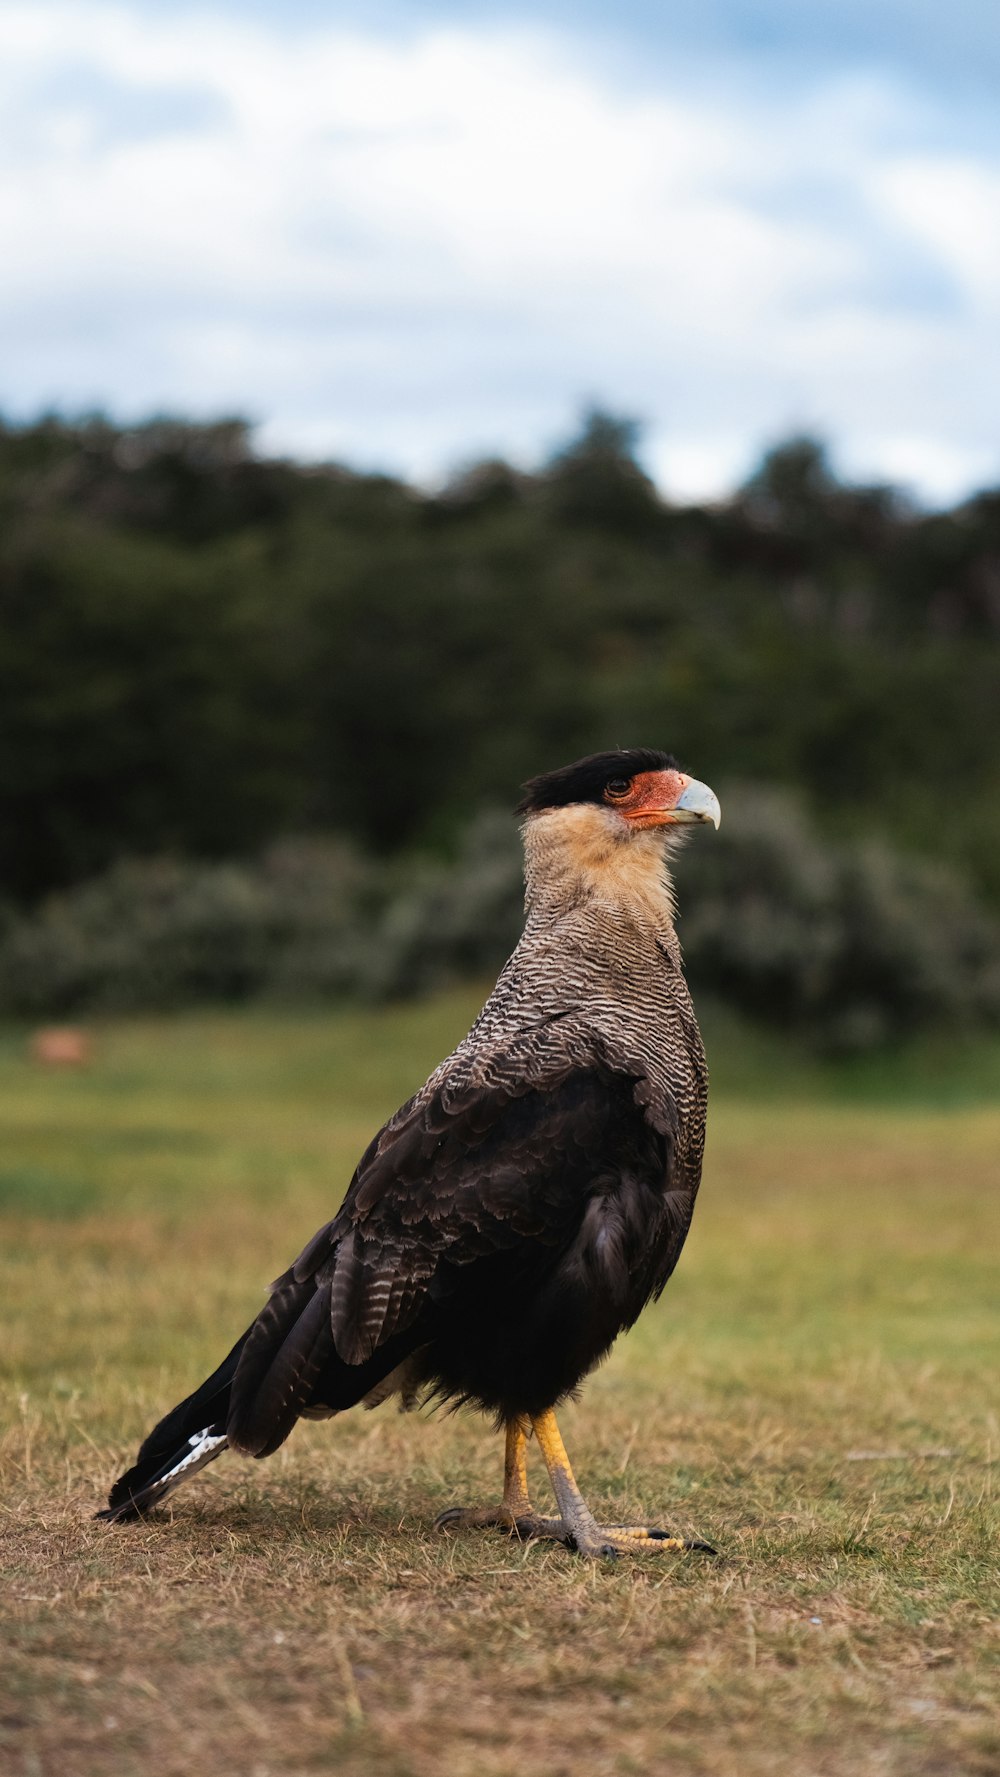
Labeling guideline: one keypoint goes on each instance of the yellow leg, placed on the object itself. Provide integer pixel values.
(579, 1527)
(515, 1469)
(516, 1505)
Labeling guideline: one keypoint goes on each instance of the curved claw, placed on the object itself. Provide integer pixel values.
(476, 1518)
(450, 1515)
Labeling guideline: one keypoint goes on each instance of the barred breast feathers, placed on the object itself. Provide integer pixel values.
(595, 978)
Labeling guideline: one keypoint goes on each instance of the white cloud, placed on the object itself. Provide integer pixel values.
(407, 251)
(953, 206)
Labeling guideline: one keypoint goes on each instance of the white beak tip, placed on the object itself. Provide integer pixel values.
(699, 803)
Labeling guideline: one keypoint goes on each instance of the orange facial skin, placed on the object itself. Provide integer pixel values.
(652, 798)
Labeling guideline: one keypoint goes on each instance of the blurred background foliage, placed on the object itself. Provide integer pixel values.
(257, 720)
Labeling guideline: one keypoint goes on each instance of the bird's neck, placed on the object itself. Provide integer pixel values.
(573, 859)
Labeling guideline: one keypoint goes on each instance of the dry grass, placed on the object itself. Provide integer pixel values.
(814, 1395)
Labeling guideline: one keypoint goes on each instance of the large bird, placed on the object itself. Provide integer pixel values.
(521, 1209)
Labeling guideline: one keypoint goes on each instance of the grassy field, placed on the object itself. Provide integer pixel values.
(815, 1395)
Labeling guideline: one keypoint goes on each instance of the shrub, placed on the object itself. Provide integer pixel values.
(163, 932)
(848, 946)
(448, 922)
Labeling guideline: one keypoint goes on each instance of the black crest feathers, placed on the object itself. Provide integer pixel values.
(586, 780)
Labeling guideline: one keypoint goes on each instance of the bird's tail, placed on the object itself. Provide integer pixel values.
(191, 1435)
(284, 1365)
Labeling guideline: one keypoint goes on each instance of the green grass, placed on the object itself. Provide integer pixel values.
(815, 1395)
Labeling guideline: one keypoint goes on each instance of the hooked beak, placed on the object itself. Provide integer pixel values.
(697, 803)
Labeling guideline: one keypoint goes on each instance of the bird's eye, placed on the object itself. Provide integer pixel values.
(617, 788)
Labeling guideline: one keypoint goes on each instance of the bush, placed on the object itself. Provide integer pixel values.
(164, 932)
(850, 947)
(446, 923)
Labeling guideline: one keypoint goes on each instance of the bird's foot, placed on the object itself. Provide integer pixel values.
(612, 1540)
(525, 1524)
(593, 1541)
(475, 1518)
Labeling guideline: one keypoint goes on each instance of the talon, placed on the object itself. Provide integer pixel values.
(473, 1518)
(450, 1515)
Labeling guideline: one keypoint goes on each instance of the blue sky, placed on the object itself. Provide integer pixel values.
(410, 235)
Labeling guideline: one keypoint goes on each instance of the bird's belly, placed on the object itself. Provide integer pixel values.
(520, 1330)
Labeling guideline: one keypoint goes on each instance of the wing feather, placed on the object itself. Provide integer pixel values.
(462, 1171)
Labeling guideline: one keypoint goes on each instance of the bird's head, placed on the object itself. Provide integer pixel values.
(605, 819)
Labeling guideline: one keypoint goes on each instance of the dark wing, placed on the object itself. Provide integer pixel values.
(461, 1173)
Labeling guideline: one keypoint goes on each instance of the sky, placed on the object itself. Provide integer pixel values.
(408, 236)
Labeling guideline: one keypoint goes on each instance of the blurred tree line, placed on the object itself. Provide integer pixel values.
(253, 716)
(202, 650)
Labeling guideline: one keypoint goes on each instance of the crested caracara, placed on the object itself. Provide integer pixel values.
(518, 1213)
